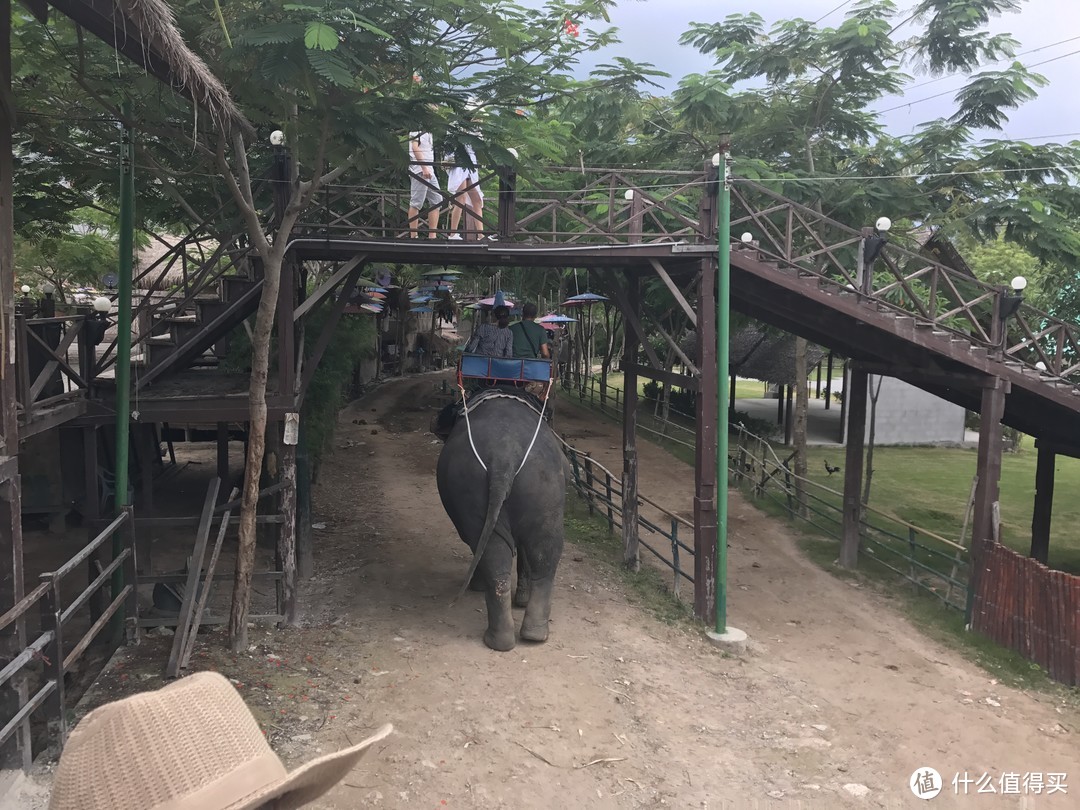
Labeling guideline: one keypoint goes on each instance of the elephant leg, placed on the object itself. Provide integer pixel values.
(534, 627)
(477, 583)
(524, 584)
(496, 565)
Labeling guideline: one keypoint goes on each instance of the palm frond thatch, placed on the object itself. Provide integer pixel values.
(145, 31)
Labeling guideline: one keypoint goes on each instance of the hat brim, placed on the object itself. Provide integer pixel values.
(312, 779)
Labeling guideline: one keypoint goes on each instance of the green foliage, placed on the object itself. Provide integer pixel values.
(353, 341)
(72, 255)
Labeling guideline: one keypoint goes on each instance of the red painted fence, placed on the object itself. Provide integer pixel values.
(1025, 606)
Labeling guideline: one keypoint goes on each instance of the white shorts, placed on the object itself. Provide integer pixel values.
(458, 177)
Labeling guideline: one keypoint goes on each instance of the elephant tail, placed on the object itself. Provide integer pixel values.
(499, 484)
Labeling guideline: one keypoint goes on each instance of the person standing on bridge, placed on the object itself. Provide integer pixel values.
(423, 183)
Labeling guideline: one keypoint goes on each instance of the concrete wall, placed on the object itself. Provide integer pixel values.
(909, 415)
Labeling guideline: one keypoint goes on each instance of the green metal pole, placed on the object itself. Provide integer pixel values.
(123, 329)
(723, 313)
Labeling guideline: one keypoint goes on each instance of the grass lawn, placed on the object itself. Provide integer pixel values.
(929, 486)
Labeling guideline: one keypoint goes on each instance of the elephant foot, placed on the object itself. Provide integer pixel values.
(534, 625)
(535, 632)
(501, 641)
(500, 631)
(522, 594)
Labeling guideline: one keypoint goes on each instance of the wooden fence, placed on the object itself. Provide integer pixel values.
(1027, 607)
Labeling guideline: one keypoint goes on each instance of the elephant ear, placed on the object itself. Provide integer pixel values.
(443, 422)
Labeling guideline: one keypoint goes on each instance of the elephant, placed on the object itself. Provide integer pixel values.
(519, 498)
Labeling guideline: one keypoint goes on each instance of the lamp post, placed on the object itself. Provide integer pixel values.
(48, 303)
(281, 175)
(870, 247)
(1009, 302)
(722, 634)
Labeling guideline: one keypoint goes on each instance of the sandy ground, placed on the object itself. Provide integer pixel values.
(838, 701)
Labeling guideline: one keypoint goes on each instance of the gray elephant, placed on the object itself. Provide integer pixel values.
(509, 507)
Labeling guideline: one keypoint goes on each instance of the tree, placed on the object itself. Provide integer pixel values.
(345, 83)
(68, 256)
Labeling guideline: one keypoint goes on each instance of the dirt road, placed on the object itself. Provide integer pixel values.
(838, 690)
(837, 703)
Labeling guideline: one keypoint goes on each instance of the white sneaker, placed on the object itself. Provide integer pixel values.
(455, 236)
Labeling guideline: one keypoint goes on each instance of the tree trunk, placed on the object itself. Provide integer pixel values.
(875, 392)
(802, 404)
(260, 365)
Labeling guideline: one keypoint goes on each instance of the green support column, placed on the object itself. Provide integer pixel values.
(723, 634)
(123, 336)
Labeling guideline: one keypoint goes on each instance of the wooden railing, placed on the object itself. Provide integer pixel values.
(903, 280)
(51, 646)
(46, 373)
(567, 205)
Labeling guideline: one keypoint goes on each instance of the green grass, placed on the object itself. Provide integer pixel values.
(648, 587)
(929, 487)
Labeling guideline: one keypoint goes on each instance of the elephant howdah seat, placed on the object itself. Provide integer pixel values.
(505, 369)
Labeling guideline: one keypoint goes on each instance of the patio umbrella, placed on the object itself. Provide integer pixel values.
(554, 318)
(497, 300)
(586, 298)
(421, 309)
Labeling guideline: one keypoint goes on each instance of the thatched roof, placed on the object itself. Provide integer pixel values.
(934, 244)
(145, 32)
(760, 355)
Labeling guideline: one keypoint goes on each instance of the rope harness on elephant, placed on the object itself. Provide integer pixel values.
(483, 397)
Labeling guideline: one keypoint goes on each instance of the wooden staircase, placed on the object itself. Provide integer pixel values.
(198, 335)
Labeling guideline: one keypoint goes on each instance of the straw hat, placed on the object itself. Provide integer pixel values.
(192, 745)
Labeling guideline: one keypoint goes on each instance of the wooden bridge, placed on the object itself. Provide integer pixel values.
(903, 314)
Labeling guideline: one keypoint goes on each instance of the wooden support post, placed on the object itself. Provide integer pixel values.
(148, 454)
(305, 549)
(843, 403)
(789, 414)
(1044, 503)
(731, 394)
(855, 395)
(630, 458)
(817, 389)
(828, 382)
(287, 535)
(705, 445)
(987, 489)
(780, 404)
(286, 332)
(223, 455)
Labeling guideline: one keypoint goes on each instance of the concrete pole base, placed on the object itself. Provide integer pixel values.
(732, 640)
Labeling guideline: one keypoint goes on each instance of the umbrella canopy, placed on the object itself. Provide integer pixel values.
(554, 318)
(419, 299)
(372, 308)
(421, 309)
(442, 273)
(586, 298)
(497, 300)
(366, 282)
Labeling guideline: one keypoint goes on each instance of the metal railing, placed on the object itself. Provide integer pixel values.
(57, 653)
(929, 562)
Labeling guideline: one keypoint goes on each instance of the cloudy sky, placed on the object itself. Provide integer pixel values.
(1046, 30)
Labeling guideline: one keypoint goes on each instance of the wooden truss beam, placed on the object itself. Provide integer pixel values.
(675, 291)
(630, 317)
(328, 286)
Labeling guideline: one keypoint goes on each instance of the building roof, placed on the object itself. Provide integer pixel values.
(145, 31)
(759, 354)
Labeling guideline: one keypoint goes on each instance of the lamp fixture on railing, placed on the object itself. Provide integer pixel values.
(98, 322)
(47, 305)
(1010, 302)
(873, 242)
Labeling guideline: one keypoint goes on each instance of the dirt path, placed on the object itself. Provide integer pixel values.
(838, 695)
(837, 689)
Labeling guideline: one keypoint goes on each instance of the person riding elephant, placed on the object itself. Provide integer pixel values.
(502, 478)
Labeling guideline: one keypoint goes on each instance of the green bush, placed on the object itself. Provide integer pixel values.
(352, 342)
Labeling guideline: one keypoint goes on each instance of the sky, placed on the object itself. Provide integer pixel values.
(649, 31)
